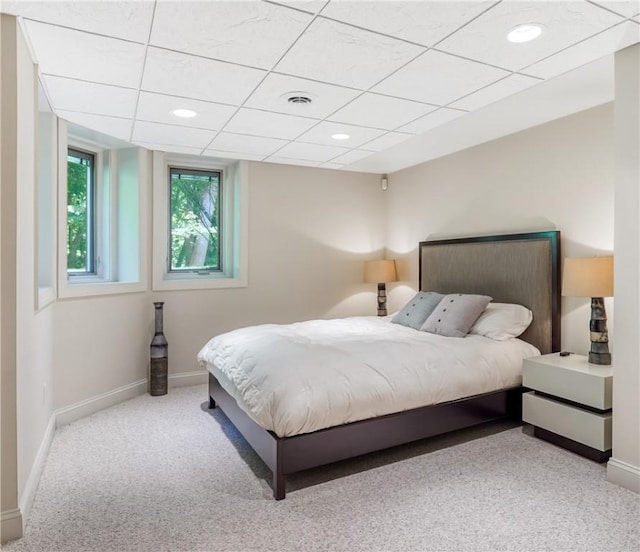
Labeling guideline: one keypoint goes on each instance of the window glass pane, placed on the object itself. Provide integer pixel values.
(80, 192)
(195, 220)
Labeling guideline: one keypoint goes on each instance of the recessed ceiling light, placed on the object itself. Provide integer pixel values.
(340, 136)
(185, 113)
(524, 33)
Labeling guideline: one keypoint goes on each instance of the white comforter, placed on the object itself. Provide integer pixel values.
(302, 377)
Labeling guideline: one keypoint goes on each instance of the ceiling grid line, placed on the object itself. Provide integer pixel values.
(144, 63)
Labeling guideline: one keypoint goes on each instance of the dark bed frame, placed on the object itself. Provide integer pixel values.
(514, 268)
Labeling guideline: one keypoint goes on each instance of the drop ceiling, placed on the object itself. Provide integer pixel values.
(406, 80)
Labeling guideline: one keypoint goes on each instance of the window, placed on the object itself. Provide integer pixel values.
(194, 231)
(102, 214)
(81, 227)
(200, 222)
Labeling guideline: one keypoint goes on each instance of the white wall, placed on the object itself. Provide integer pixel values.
(555, 176)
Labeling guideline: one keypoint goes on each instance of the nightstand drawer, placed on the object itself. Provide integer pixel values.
(580, 425)
(570, 378)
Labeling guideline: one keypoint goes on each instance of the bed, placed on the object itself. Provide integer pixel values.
(516, 268)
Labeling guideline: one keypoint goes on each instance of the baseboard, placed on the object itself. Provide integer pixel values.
(87, 407)
(623, 474)
(30, 488)
(10, 525)
(188, 378)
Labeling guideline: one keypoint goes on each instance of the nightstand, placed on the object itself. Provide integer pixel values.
(570, 404)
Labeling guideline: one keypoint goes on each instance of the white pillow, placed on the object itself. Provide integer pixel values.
(502, 321)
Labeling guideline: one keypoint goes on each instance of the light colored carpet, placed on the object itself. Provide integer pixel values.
(166, 474)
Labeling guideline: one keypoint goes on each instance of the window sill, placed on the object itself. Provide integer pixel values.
(71, 290)
(195, 283)
(46, 296)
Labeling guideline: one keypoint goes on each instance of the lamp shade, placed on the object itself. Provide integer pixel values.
(588, 277)
(380, 271)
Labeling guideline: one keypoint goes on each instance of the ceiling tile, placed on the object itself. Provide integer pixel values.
(618, 37)
(157, 108)
(627, 8)
(340, 54)
(565, 23)
(273, 92)
(126, 19)
(494, 92)
(421, 22)
(89, 97)
(430, 121)
(378, 111)
(265, 123)
(228, 30)
(310, 152)
(439, 78)
(351, 157)
(170, 134)
(195, 77)
(249, 144)
(388, 140)
(112, 126)
(321, 134)
(85, 56)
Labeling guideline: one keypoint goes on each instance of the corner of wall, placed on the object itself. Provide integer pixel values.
(623, 474)
(10, 525)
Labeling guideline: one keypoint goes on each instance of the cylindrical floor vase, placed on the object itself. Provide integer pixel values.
(159, 369)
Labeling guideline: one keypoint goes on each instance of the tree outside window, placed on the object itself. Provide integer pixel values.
(195, 220)
(80, 212)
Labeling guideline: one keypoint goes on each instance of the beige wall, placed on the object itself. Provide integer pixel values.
(10, 520)
(624, 467)
(101, 344)
(554, 176)
(27, 335)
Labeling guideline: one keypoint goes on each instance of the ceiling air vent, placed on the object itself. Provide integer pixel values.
(299, 99)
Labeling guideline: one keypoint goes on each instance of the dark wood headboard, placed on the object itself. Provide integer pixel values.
(512, 268)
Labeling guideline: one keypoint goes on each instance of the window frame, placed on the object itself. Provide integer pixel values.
(234, 216)
(93, 257)
(111, 156)
(220, 199)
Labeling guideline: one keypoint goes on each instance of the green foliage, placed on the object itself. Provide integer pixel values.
(78, 182)
(195, 220)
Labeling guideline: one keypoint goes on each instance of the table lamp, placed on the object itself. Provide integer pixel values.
(380, 272)
(592, 277)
